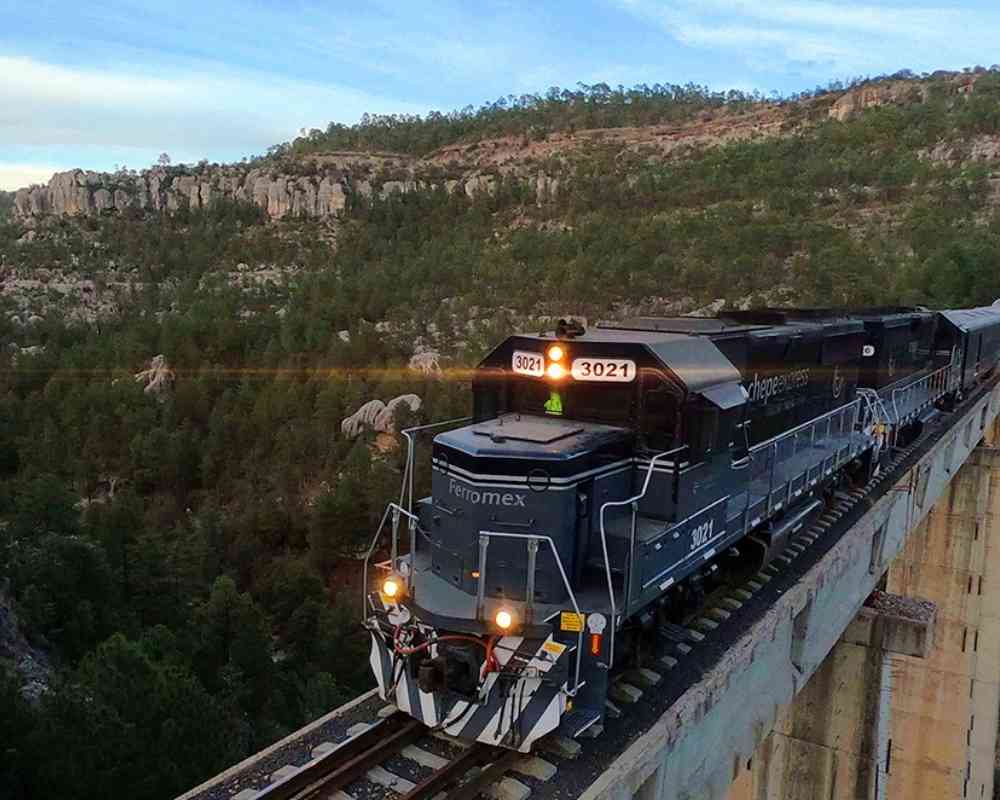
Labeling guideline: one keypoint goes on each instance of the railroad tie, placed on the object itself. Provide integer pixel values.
(645, 678)
(358, 728)
(382, 777)
(622, 692)
(705, 624)
(535, 767)
(441, 736)
(560, 746)
(507, 789)
(424, 758)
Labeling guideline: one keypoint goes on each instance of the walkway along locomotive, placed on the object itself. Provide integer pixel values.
(610, 477)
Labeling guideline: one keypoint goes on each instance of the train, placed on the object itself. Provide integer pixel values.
(610, 477)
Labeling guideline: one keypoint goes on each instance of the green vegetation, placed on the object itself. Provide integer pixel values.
(535, 115)
(188, 558)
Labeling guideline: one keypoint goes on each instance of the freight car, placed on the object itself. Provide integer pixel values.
(610, 477)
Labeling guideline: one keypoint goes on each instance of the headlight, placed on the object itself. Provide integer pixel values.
(391, 588)
(556, 353)
(556, 371)
(504, 619)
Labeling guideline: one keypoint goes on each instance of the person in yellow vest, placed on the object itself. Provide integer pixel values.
(554, 404)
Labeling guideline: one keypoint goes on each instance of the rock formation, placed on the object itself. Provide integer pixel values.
(31, 664)
(158, 377)
(78, 192)
(322, 195)
(378, 416)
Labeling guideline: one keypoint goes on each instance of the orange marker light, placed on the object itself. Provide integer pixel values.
(595, 644)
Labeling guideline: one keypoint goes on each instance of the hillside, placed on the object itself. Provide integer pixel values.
(179, 506)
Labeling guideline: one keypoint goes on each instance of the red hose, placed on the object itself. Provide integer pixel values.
(405, 651)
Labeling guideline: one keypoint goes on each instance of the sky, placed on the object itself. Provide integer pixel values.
(115, 83)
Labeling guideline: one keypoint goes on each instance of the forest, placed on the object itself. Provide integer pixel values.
(187, 560)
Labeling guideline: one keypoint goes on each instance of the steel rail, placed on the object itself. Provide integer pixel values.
(454, 770)
(338, 768)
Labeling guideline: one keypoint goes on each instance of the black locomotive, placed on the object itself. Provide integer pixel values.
(610, 477)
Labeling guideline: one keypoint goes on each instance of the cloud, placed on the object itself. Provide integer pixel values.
(14, 176)
(216, 114)
(846, 38)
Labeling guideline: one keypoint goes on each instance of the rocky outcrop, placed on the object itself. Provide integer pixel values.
(78, 192)
(378, 416)
(158, 377)
(31, 665)
(898, 92)
(322, 195)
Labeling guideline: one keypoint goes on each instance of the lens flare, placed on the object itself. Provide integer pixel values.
(556, 372)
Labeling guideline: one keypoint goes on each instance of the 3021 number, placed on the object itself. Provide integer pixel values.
(611, 370)
(525, 363)
(702, 534)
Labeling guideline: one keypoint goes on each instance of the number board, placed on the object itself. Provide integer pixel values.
(525, 363)
(611, 370)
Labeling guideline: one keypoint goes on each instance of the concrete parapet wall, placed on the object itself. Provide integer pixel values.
(705, 740)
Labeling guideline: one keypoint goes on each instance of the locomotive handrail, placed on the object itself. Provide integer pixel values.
(406, 487)
(484, 537)
(396, 510)
(604, 543)
(406, 490)
(771, 448)
(799, 428)
(937, 381)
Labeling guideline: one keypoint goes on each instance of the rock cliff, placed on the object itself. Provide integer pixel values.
(320, 195)
(163, 189)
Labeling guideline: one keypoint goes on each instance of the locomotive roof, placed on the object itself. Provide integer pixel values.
(777, 322)
(886, 315)
(695, 360)
(972, 319)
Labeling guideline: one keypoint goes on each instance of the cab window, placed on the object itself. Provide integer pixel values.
(660, 405)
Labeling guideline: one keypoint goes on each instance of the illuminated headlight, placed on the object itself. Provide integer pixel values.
(556, 371)
(392, 589)
(504, 619)
(555, 353)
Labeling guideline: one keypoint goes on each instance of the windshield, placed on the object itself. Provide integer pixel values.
(608, 403)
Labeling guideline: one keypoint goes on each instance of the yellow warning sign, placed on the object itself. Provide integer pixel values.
(570, 621)
(554, 648)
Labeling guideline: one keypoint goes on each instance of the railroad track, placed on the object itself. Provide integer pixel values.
(368, 756)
